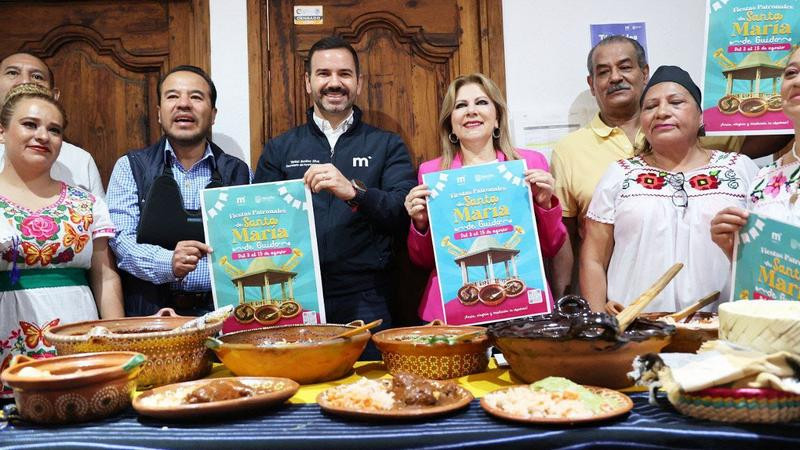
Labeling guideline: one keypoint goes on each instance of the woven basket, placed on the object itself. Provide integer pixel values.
(740, 405)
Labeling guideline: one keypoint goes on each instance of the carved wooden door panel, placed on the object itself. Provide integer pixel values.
(106, 59)
(409, 52)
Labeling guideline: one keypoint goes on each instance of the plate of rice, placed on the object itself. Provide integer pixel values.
(403, 396)
(214, 397)
(555, 400)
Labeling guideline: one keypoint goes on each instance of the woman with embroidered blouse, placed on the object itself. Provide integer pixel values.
(777, 186)
(57, 268)
(653, 210)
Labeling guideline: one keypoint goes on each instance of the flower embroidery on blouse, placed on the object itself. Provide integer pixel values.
(704, 182)
(40, 228)
(773, 187)
(651, 180)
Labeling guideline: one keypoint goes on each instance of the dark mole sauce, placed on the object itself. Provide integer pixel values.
(218, 390)
(410, 390)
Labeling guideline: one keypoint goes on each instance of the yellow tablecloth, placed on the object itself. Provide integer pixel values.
(478, 384)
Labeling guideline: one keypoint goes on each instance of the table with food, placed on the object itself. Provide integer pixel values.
(571, 378)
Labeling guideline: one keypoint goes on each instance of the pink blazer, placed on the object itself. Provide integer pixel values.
(552, 233)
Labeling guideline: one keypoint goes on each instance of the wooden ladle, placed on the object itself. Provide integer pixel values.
(357, 330)
(630, 313)
(694, 307)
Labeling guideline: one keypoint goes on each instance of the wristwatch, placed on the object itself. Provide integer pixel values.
(361, 192)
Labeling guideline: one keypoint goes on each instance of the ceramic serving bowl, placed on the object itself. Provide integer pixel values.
(753, 107)
(76, 388)
(173, 354)
(689, 336)
(437, 361)
(304, 353)
(575, 343)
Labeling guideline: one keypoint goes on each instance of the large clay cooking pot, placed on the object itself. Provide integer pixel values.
(578, 344)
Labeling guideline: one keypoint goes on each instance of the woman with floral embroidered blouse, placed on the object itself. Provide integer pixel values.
(58, 268)
(653, 210)
(777, 186)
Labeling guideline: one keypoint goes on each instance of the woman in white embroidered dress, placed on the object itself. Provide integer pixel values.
(777, 186)
(58, 268)
(653, 210)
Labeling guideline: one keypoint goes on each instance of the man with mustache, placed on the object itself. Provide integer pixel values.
(154, 200)
(360, 176)
(618, 72)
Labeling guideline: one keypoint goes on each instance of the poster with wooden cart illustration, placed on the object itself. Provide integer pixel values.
(486, 244)
(264, 261)
(748, 43)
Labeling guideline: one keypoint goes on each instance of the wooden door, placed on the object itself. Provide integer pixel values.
(106, 58)
(409, 52)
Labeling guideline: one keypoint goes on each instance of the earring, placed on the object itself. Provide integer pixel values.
(496, 133)
(453, 138)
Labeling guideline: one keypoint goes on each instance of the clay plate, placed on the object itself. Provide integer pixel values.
(621, 403)
(395, 414)
(187, 411)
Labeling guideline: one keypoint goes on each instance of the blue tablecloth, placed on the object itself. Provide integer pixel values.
(305, 426)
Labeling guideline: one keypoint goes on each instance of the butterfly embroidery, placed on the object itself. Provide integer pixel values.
(34, 334)
(34, 254)
(74, 239)
(79, 218)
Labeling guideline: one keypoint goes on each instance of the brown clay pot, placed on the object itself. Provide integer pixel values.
(437, 361)
(173, 355)
(687, 338)
(254, 352)
(79, 388)
(575, 343)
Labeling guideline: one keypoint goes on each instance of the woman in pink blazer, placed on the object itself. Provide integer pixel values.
(473, 126)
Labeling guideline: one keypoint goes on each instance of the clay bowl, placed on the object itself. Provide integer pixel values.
(728, 105)
(173, 355)
(437, 361)
(753, 107)
(688, 337)
(78, 388)
(304, 353)
(578, 344)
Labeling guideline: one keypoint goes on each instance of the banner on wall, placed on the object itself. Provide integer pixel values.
(767, 263)
(747, 46)
(486, 244)
(633, 30)
(264, 261)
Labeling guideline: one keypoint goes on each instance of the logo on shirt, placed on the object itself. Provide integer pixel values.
(361, 161)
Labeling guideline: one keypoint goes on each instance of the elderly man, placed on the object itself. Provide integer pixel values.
(618, 72)
(154, 199)
(360, 176)
(74, 165)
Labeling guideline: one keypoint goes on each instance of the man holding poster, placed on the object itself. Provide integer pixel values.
(359, 175)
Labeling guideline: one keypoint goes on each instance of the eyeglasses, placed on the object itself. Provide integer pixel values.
(679, 198)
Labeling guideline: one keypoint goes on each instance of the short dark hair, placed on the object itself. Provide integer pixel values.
(49, 70)
(196, 70)
(641, 57)
(330, 43)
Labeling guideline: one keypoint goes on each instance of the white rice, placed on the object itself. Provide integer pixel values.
(524, 402)
(364, 394)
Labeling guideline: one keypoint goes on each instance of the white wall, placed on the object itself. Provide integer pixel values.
(547, 42)
(230, 74)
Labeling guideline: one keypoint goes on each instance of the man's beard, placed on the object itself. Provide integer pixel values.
(187, 141)
(320, 99)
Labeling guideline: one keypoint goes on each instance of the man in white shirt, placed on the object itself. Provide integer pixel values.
(74, 165)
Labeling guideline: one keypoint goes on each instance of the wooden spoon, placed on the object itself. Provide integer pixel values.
(469, 336)
(694, 307)
(356, 330)
(629, 314)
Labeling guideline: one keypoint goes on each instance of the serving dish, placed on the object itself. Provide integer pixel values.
(439, 360)
(75, 388)
(753, 107)
(689, 336)
(457, 398)
(728, 105)
(173, 354)
(577, 344)
(747, 405)
(304, 353)
(160, 402)
(618, 402)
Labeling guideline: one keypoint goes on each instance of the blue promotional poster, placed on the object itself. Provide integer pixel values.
(486, 244)
(748, 43)
(767, 264)
(264, 260)
(633, 30)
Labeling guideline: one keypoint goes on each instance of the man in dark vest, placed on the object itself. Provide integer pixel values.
(154, 200)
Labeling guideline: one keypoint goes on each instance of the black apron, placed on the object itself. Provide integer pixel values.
(164, 221)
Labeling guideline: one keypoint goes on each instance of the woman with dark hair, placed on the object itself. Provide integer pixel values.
(473, 128)
(58, 268)
(652, 211)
